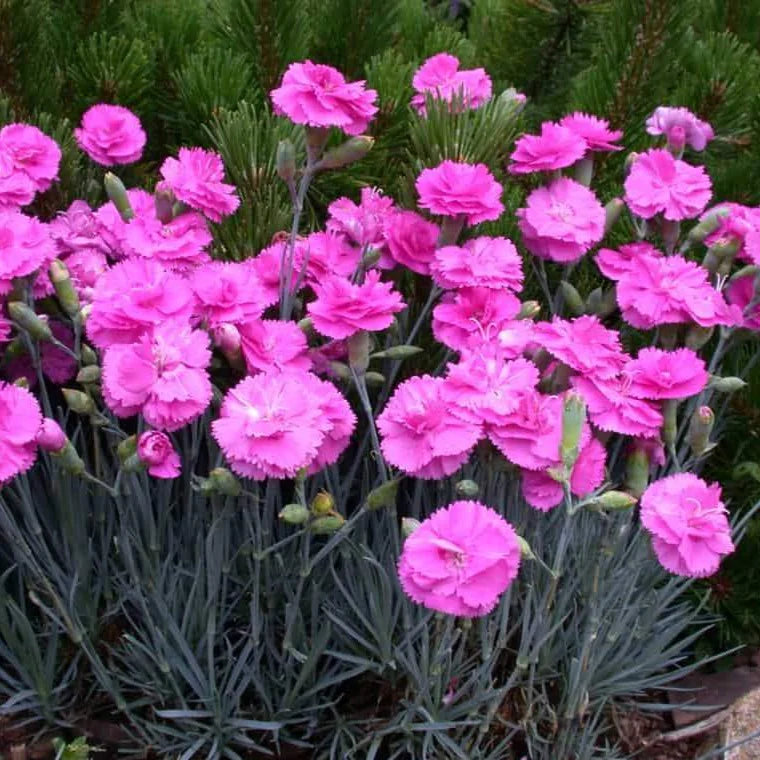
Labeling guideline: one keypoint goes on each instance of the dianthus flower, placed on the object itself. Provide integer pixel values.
(737, 224)
(113, 229)
(411, 240)
(154, 449)
(133, 297)
(420, 433)
(16, 187)
(341, 419)
(740, 293)
(658, 374)
(227, 292)
(660, 184)
(688, 523)
(77, 229)
(363, 224)
(322, 254)
(269, 344)
(460, 190)
(85, 267)
(561, 222)
(111, 135)
(196, 178)
(441, 78)
(460, 560)
(319, 96)
(342, 308)
(267, 264)
(57, 364)
(163, 375)
(614, 264)
(489, 262)
(595, 131)
(680, 126)
(20, 420)
(25, 246)
(555, 148)
(32, 152)
(584, 344)
(473, 315)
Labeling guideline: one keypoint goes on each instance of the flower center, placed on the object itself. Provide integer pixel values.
(561, 211)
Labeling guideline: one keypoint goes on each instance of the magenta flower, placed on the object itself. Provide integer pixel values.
(688, 523)
(32, 152)
(661, 184)
(420, 433)
(740, 292)
(77, 229)
(227, 293)
(411, 240)
(25, 246)
(319, 96)
(489, 262)
(111, 135)
(85, 267)
(267, 265)
(133, 297)
(196, 178)
(20, 420)
(363, 225)
(163, 375)
(680, 126)
(561, 222)
(342, 308)
(268, 344)
(614, 264)
(441, 78)
(595, 131)
(17, 188)
(50, 437)
(742, 226)
(154, 449)
(322, 254)
(555, 148)
(460, 190)
(658, 374)
(460, 560)
(113, 229)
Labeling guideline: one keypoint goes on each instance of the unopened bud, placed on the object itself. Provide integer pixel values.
(117, 193)
(163, 202)
(322, 504)
(408, 526)
(584, 170)
(78, 402)
(467, 489)
(21, 382)
(306, 325)
(358, 352)
(612, 213)
(516, 100)
(89, 374)
(529, 310)
(294, 514)
(50, 437)
(85, 312)
(573, 417)
(397, 352)
(25, 318)
(354, 149)
(227, 339)
(676, 140)
(69, 460)
(327, 524)
(637, 472)
(286, 161)
(384, 496)
(224, 482)
(726, 384)
(615, 500)
(525, 551)
(700, 427)
(572, 298)
(64, 288)
(670, 421)
(594, 301)
(707, 226)
(127, 448)
(340, 370)
(371, 257)
(698, 337)
(374, 379)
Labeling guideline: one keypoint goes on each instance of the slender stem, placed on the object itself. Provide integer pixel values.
(361, 389)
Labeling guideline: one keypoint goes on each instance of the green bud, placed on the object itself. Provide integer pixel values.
(408, 526)
(700, 427)
(127, 448)
(707, 226)
(69, 460)
(294, 514)
(374, 379)
(21, 382)
(529, 310)
(307, 326)
(370, 258)
(384, 495)
(89, 374)
(670, 421)
(615, 500)
(340, 370)
(354, 149)
(64, 288)
(612, 213)
(397, 352)
(25, 318)
(726, 384)
(79, 402)
(637, 472)
(572, 298)
(286, 161)
(584, 170)
(697, 337)
(358, 352)
(467, 489)
(133, 463)
(525, 551)
(327, 524)
(224, 482)
(594, 301)
(117, 193)
(573, 417)
(88, 355)
(322, 504)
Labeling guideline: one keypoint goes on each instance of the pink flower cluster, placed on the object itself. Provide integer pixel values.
(441, 78)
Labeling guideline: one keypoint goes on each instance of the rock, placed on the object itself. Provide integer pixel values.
(744, 721)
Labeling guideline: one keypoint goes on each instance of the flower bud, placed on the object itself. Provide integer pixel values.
(612, 213)
(397, 352)
(572, 298)
(670, 421)
(637, 472)
(374, 379)
(707, 226)
(358, 352)
(89, 375)
(384, 495)
(286, 161)
(327, 524)
(64, 288)
(408, 526)
(50, 437)
(79, 402)
(700, 427)
(529, 310)
(513, 98)
(127, 448)
(676, 140)
(698, 337)
(163, 201)
(133, 463)
(25, 318)
(467, 489)
(726, 384)
(584, 170)
(306, 325)
(370, 258)
(525, 551)
(21, 382)
(69, 460)
(85, 312)
(340, 370)
(294, 514)
(117, 193)
(594, 301)
(354, 149)
(615, 500)
(322, 504)
(224, 482)
(573, 417)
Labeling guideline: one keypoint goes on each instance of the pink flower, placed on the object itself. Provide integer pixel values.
(688, 523)
(740, 292)
(512, 338)
(267, 265)
(614, 264)
(555, 148)
(111, 135)
(20, 420)
(340, 418)
(473, 315)
(420, 434)
(33, 153)
(561, 222)
(458, 189)
(680, 126)
(364, 224)
(658, 374)
(741, 225)
(441, 78)
(155, 449)
(584, 344)
(85, 267)
(58, 365)
(322, 254)
(661, 184)
(113, 229)
(595, 131)
(133, 297)
(162, 375)
(196, 178)
(460, 560)
(268, 344)
(489, 262)
(25, 246)
(227, 293)
(319, 96)
(17, 188)
(77, 229)
(411, 240)
(342, 308)
(50, 437)
(612, 407)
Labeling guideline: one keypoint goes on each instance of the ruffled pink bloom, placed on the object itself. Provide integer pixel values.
(25, 246)
(555, 148)
(411, 240)
(85, 267)
(58, 365)
(154, 448)
(267, 265)
(420, 434)
(33, 153)
(162, 375)
(460, 190)
(688, 523)
(17, 188)
(342, 421)
(489, 262)
(77, 229)
(473, 315)
(614, 264)
(269, 344)
(227, 293)
(460, 560)
(196, 178)
(740, 292)
(20, 420)
(441, 78)
(512, 338)
(584, 344)
(50, 437)
(133, 297)
(613, 408)
(658, 374)
(322, 254)
(113, 229)
(741, 225)
(342, 308)
(319, 96)
(661, 184)
(111, 135)
(363, 225)
(561, 222)
(595, 131)
(680, 126)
